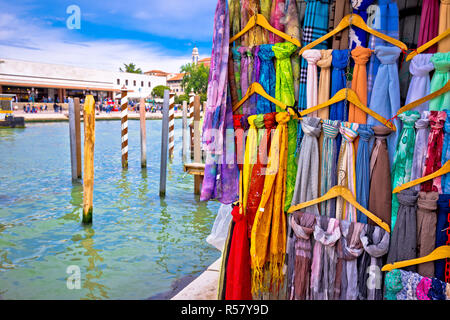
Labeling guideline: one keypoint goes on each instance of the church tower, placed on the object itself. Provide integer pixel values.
(195, 55)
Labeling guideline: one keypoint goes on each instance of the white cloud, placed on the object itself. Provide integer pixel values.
(25, 40)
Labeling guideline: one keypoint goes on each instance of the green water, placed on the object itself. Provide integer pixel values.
(138, 244)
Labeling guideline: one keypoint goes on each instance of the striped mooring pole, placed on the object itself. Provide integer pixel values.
(191, 105)
(171, 125)
(124, 126)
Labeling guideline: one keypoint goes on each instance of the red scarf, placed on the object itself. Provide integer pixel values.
(238, 283)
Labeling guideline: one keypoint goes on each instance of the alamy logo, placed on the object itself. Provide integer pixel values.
(74, 280)
(74, 20)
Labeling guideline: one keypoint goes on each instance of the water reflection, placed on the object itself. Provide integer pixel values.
(163, 236)
(125, 192)
(76, 200)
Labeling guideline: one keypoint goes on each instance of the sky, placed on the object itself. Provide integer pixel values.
(153, 34)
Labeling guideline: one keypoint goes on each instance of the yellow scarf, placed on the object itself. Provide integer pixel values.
(251, 152)
(270, 218)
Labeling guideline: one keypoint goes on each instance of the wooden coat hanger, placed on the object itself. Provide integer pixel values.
(443, 170)
(441, 252)
(340, 191)
(255, 87)
(352, 97)
(260, 20)
(428, 44)
(418, 102)
(355, 20)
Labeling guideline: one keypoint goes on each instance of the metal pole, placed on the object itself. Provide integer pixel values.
(89, 143)
(73, 142)
(171, 125)
(164, 142)
(77, 112)
(143, 134)
(185, 131)
(124, 125)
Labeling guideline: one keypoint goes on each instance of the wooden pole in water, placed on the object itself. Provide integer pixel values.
(171, 125)
(143, 134)
(164, 142)
(77, 111)
(89, 143)
(73, 142)
(124, 127)
(197, 147)
(185, 131)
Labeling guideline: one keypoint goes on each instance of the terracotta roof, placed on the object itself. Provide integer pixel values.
(204, 59)
(177, 77)
(157, 73)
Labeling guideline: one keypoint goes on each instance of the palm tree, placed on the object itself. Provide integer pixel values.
(131, 68)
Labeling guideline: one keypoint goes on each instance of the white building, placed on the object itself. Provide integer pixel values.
(39, 81)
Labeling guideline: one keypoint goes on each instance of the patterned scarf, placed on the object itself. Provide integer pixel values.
(393, 284)
(346, 170)
(445, 179)
(267, 78)
(276, 20)
(251, 153)
(235, 18)
(403, 160)
(255, 74)
(358, 37)
(245, 62)
(323, 267)
(437, 290)
(328, 166)
(434, 152)
(422, 289)
(292, 28)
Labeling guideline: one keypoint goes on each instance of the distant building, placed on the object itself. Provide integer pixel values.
(174, 83)
(205, 61)
(195, 55)
(157, 73)
(34, 81)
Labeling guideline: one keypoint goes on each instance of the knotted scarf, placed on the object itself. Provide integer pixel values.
(312, 56)
(380, 194)
(324, 81)
(434, 152)
(276, 20)
(238, 285)
(303, 226)
(221, 174)
(365, 133)
(445, 179)
(444, 24)
(422, 289)
(393, 284)
(420, 68)
(267, 78)
(251, 154)
(306, 187)
(292, 28)
(359, 82)
(338, 82)
(358, 37)
(245, 62)
(440, 78)
(420, 147)
(426, 230)
(323, 267)
(265, 124)
(375, 241)
(270, 218)
(328, 166)
(255, 75)
(403, 242)
(346, 170)
(437, 290)
(349, 249)
(385, 99)
(429, 24)
(284, 92)
(403, 160)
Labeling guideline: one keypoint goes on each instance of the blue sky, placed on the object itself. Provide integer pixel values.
(154, 34)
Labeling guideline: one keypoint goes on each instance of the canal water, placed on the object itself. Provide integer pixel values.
(138, 246)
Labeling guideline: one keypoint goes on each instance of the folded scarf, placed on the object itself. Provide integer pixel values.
(403, 294)
(437, 290)
(303, 226)
(323, 268)
(375, 241)
(422, 289)
(411, 286)
(393, 284)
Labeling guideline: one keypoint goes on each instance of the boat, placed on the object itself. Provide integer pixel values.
(7, 120)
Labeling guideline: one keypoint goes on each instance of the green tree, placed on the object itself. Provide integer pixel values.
(158, 91)
(131, 68)
(195, 78)
(182, 97)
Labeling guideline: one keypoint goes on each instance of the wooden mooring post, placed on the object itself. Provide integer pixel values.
(77, 110)
(75, 140)
(143, 133)
(164, 145)
(89, 143)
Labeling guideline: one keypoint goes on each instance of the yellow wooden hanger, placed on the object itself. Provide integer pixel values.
(418, 102)
(443, 170)
(255, 87)
(340, 191)
(260, 20)
(428, 44)
(356, 20)
(441, 252)
(351, 96)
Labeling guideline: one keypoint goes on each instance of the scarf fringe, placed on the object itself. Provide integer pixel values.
(276, 263)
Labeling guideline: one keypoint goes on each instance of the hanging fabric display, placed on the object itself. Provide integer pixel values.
(429, 23)
(420, 68)
(312, 57)
(338, 82)
(420, 147)
(276, 18)
(444, 24)
(359, 83)
(292, 28)
(338, 10)
(358, 37)
(445, 179)
(441, 76)
(267, 78)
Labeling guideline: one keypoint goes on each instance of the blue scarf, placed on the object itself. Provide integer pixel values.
(363, 169)
(358, 37)
(267, 78)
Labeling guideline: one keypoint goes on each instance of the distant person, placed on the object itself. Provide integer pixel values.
(25, 109)
(55, 107)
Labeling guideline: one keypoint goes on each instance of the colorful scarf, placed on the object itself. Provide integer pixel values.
(251, 154)
(292, 28)
(420, 147)
(393, 283)
(276, 20)
(358, 37)
(422, 289)
(437, 290)
(441, 76)
(267, 78)
(235, 18)
(445, 179)
(359, 83)
(434, 153)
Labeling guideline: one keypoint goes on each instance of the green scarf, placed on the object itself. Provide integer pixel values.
(441, 76)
